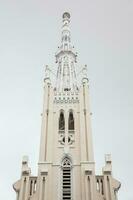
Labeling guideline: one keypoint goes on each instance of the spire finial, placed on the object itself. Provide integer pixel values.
(66, 36)
(66, 15)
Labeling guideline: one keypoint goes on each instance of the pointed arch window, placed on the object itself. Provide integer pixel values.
(71, 121)
(66, 183)
(61, 121)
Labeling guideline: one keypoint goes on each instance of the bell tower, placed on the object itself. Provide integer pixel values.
(66, 167)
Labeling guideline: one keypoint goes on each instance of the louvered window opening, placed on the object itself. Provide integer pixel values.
(66, 183)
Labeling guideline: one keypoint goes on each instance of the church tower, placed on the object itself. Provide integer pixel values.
(66, 167)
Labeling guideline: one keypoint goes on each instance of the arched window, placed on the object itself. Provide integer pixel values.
(61, 121)
(71, 121)
(66, 183)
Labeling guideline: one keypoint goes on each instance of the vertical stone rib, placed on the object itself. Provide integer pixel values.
(108, 187)
(89, 188)
(85, 121)
(24, 189)
(43, 189)
(47, 114)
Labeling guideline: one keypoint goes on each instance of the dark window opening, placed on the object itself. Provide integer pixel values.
(61, 122)
(66, 186)
(67, 89)
(71, 121)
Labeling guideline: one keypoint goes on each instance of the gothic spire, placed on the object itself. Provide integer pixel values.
(66, 59)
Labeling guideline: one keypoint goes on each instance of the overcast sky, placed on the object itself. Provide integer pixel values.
(102, 33)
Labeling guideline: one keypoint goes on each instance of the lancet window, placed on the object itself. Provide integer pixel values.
(61, 122)
(71, 121)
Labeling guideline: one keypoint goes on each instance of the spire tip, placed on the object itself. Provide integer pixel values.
(66, 15)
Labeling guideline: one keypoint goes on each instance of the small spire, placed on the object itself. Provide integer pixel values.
(25, 168)
(47, 74)
(107, 169)
(85, 76)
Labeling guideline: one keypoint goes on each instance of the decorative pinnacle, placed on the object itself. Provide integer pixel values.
(47, 74)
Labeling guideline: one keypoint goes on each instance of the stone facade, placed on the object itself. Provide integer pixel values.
(66, 168)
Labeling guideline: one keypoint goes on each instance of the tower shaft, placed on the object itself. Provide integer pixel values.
(66, 168)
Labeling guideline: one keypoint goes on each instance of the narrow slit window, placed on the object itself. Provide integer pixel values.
(71, 121)
(61, 121)
(31, 183)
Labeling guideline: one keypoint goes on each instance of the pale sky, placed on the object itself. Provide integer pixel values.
(102, 33)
